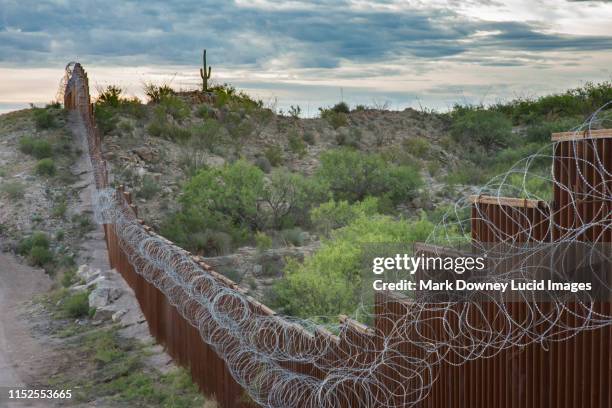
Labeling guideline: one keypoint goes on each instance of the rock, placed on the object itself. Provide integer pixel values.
(214, 161)
(116, 317)
(145, 153)
(167, 190)
(99, 298)
(257, 269)
(103, 314)
(87, 274)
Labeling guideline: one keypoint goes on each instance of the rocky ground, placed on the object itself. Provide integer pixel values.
(67, 327)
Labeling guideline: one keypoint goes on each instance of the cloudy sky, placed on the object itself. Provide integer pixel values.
(430, 53)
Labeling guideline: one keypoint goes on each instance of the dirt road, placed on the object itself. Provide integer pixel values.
(20, 353)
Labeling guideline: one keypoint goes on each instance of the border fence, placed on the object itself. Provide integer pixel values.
(391, 363)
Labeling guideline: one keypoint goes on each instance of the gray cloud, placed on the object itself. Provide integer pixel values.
(322, 36)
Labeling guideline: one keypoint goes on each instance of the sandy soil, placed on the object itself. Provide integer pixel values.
(22, 357)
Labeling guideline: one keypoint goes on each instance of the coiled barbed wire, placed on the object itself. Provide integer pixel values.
(290, 362)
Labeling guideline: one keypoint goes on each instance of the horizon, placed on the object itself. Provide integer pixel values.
(403, 54)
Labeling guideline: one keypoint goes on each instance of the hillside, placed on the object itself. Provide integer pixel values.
(228, 178)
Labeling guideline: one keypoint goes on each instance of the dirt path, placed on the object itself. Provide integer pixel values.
(93, 247)
(21, 356)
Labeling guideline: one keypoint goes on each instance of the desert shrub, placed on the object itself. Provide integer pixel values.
(274, 154)
(45, 167)
(13, 190)
(69, 278)
(287, 199)
(45, 118)
(40, 256)
(309, 137)
(174, 106)
(351, 137)
(477, 125)
(40, 239)
(296, 144)
(263, 163)
(541, 132)
(126, 127)
(580, 101)
(335, 119)
(262, 241)
(160, 127)
(149, 188)
(156, 93)
(208, 133)
(219, 199)
(336, 214)
(352, 175)
(417, 146)
(466, 173)
(38, 148)
(328, 283)
(295, 111)
(227, 95)
(292, 236)
(341, 107)
(76, 305)
(204, 111)
(133, 107)
(109, 96)
(106, 119)
(237, 126)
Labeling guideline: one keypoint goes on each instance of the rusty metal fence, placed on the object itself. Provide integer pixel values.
(573, 373)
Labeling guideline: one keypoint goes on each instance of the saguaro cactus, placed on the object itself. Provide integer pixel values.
(205, 75)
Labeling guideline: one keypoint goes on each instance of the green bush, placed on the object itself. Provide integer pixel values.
(156, 93)
(38, 148)
(150, 187)
(341, 107)
(335, 119)
(226, 95)
(45, 167)
(76, 305)
(69, 278)
(40, 239)
(37, 239)
(542, 132)
(207, 134)
(287, 199)
(581, 102)
(174, 106)
(45, 118)
(109, 96)
(262, 241)
(40, 256)
(59, 209)
(292, 236)
(263, 164)
(477, 125)
(166, 130)
(106, 120)
(309, 137)
(13, 190)
(352, 175)
(336, 214)
(329, 282)
(296, 144)
(218, 199)
(417, 146)
(350, 138)
(274, 154)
